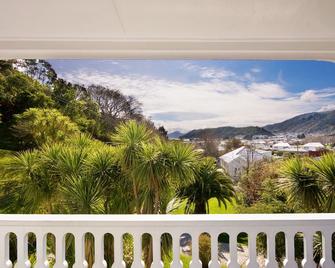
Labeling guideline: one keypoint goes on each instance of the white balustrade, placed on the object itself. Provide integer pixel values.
(156, 225)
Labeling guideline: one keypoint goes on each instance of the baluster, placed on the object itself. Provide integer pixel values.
(252, 261)
(271, 251)
(233, 262)
(22, 251)
(308, 261)
(60, 251)
(289, 246)
(4, 250)
(156, 248)
(118, 251)
(79, 245)
(99, 257)
(195, 263)
(138, 263)
(327, 260)
(214, 262)
(41, 257)
(176, 263)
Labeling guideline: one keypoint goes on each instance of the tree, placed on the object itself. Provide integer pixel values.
(128, 139)
(325, 171)
(18, 92)
(151, 163)
(209, 183)
(232, 144)
(39, 126)
(40, 70)
(163, 132)
(250, 184)
(114, 106)
(162, 165)
(28, 185)
(74, 101)
(301, 184)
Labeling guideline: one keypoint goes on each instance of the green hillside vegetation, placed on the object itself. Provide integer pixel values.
(94, 109)
(310, 123)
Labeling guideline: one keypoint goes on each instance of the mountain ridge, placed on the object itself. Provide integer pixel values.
(322, 123)
(308, 123)
(226, 132)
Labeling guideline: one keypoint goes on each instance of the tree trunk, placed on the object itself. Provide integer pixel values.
(200, 208)
(157, 202)
(137, 201)
(49, 208)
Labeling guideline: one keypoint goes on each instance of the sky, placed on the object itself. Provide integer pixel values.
(192, 94)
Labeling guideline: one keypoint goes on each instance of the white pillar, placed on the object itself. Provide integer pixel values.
(233, 262)
(22, 251)
(290, 253)
(195, 263)
(308, 261)
(327, 260)
(4, 250)
(156, 249)
(252, 261)
(138, 263)
(214, 262)
(99, 250)
(271, 251)
(79, 246)
(41, 258)
(118, 251)
(176, 263)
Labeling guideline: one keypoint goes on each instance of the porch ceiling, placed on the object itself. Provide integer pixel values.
(167, 29)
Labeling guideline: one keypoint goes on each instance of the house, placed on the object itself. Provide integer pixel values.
(260, 144)
(235, 162)
(281, 146)
(313, 146)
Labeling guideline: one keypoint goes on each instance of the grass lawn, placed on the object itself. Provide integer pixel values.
(213, 208)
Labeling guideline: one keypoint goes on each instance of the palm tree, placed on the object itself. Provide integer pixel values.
(33, 187)
(129, 139)
(163, 164)
(209, 183)
(301, 184)
(325, 170)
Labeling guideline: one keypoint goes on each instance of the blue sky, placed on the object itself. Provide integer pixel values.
(185, 94)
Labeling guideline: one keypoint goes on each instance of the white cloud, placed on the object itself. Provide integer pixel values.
(329, 107)
(209, 72)
(208, 103)
(268, 90)
(255, 70)
(309, 96)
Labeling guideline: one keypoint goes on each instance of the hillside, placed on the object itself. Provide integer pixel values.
(311, 123)
(226, 132)
(175, 135)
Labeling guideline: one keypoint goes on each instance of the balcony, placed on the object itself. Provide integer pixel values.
(175, 225)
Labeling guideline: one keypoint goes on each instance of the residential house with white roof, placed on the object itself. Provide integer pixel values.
(313, 146)
(281, 146)
(235, 162)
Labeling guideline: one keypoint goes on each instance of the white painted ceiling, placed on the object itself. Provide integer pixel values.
(168, 28)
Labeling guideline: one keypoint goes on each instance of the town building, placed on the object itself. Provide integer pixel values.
(237, 161)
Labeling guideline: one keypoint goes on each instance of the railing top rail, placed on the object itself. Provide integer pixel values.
(165, 218)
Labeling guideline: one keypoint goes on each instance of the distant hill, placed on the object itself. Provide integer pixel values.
(322, 123)
(226, 132)
(175, 135)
